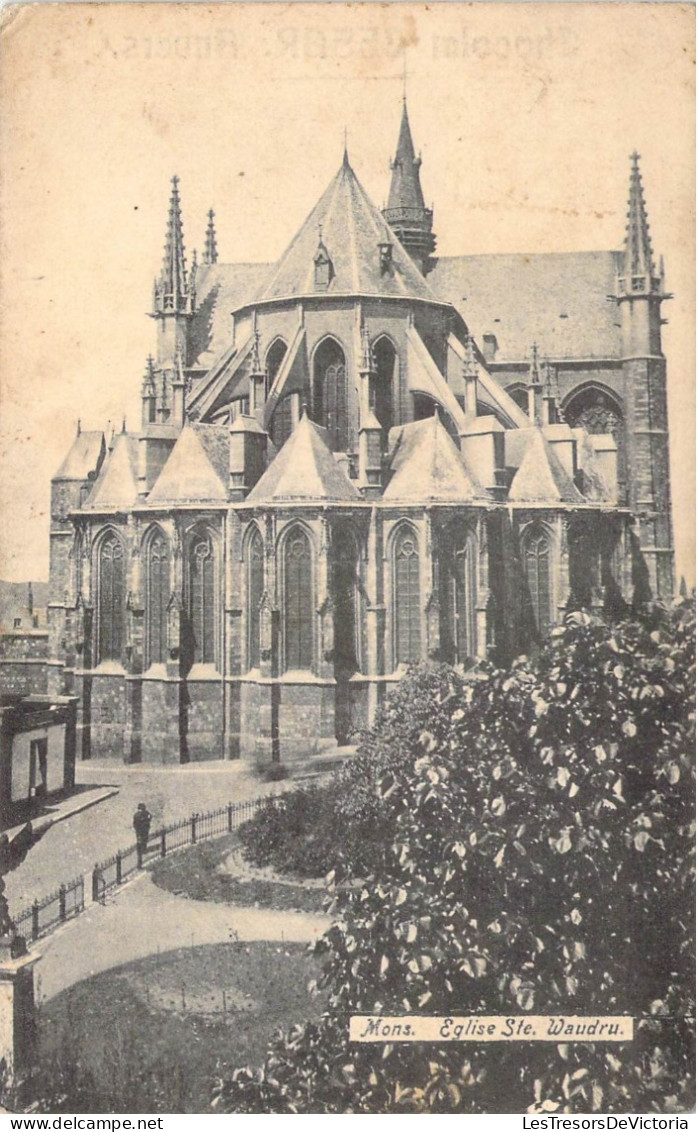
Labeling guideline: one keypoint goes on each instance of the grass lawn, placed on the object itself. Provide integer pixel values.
(152, 1036)
(198, 873)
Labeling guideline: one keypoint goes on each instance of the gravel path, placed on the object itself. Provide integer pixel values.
(73, 846)
(142, 919)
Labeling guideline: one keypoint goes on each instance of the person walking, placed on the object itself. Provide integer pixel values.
(141, 824)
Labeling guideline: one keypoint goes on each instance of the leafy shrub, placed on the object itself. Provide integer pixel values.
(275, 772)
(540, 862)
(347, 823)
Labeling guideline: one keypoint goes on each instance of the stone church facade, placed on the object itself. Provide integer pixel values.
(354, 459)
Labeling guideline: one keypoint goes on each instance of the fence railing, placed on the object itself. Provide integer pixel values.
(69, 900)
(44, 915)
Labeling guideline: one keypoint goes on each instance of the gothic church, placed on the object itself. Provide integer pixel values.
(362, 456)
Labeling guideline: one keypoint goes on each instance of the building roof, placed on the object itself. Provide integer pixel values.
(350, 228)
(197, 469)
(84, 457)
(540, 477)
(426, 465)
(304, 470)
(558, 300)
(220, 289)
(117, 482)
(405, 185)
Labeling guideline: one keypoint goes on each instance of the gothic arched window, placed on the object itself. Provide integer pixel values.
(255, 592)
(597, 411)
(111, 598)
(281, 422)
(386, 371)
(458, 583)
(157, 565)
(298, 601)
(538, 575)
(406, 598)
(330, 393)
(202, 613)
(347, 599)
(275, 356)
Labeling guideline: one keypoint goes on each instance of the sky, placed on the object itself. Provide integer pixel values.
(525, 115)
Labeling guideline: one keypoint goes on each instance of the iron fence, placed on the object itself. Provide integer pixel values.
(68, 901)
(43, 915)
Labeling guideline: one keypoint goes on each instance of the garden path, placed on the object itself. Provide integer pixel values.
(141, 919)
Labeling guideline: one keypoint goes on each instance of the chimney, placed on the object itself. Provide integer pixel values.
(490, 345)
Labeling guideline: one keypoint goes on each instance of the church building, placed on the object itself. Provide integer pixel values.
(357, 458)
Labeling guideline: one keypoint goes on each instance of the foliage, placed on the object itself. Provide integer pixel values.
(151, 1036)
(540, 862)
(346, 822)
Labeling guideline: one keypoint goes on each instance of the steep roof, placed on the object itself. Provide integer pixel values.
(304, 469)
(117, 483)
(405, 185)
(351, 228)
(197, 469)
(540, 477)
(220, 289)
(84, 457)
(559, 300)
(426, 465)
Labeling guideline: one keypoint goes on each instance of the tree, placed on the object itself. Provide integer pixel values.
(540, 861)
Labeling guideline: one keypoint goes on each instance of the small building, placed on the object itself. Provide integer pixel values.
(37, 753)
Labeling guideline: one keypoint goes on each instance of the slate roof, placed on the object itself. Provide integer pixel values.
(426, 465)
(540, 477)
(197, 469)
(85, 456)
(305, 470)
(352, 228)
(117, 482)
(559, 300)
(220, 289)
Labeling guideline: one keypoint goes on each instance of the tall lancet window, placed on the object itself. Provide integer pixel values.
(202, 614)
(537, 564)
(255, 592)
(157, 596)
(458, 584)
(406, 598)
(330, 393)
(111, 598)
(385, 380)
(347, 597)
(298, 601)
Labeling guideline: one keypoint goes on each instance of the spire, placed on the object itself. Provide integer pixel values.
(345, 157)
(637, 259)
(406, 212)
(211, 246)
(405, 185)
(172, 292)
(534, 375)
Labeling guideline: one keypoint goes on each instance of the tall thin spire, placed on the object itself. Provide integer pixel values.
(345, 156)
(172, 288)
(637, 258)
(406, 212)
(211, 246)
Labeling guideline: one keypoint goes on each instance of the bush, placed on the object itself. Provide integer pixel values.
(275, 772)
(346, 823)
(540, 862)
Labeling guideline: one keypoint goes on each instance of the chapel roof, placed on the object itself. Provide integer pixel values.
(84, 457)
(117, 482)
(305, 469)
(197, 469)
(426, 465)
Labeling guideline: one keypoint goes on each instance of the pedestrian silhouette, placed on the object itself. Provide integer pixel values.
(141, 824)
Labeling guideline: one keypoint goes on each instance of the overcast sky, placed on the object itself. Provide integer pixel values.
(525, 116)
